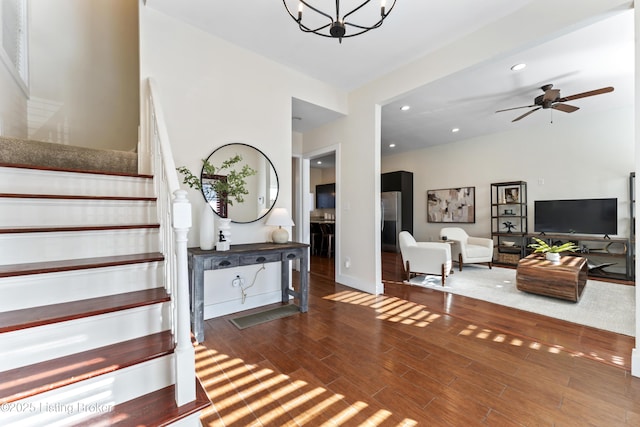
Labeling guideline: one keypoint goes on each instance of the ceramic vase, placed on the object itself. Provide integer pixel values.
(552, 256)
(207, 233)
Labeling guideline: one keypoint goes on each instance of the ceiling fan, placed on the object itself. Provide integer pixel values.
(551, 99)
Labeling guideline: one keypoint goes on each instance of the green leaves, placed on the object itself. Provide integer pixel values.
(190, 179)
(543, 247)
(228, 181)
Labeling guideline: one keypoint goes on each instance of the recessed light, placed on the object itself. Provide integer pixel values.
(518, 67)
(405, 107)
(454, 130)
(392, 145)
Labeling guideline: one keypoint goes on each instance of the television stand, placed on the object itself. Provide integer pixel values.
(611, 255)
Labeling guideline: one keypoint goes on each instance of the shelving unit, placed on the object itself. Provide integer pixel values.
(509, 221)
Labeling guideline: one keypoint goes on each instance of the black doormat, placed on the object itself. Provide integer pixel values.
(244, 322)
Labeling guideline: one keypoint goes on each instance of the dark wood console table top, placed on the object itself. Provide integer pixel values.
(200, 260)
(565, 279)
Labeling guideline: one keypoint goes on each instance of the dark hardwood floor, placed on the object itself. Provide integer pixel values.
(410, 357)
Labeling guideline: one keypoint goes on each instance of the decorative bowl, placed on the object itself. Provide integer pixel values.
(508, 243)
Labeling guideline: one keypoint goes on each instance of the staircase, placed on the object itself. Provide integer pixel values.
(87, 316)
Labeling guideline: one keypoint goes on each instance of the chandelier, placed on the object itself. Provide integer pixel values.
(311, 19)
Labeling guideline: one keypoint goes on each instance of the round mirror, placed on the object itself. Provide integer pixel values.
(239, 182)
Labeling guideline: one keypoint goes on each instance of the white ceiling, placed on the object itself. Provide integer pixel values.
(589, 58)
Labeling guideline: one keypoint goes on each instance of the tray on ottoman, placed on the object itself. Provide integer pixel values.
(565, 279)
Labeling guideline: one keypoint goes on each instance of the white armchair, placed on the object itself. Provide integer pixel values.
(424, 257)
(469, 250)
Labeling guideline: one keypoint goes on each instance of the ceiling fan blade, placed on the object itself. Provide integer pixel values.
(585, 94)
(515, 108)
(551, 94)
(565, 107)
(525, 114)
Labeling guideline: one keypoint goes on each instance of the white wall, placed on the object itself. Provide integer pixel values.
(13, 106)
(578, 156)
(84, 72)
(214, 93)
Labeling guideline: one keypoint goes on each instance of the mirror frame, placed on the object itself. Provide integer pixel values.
(273, 168)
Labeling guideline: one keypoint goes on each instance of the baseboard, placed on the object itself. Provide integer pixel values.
(360, 285)
(635, 362)
(221, 309)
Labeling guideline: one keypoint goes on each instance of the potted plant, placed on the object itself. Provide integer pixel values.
(231, 188)
(226, 183)
(552, 252)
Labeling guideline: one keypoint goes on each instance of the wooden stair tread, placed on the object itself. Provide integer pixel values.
(48, 314)
(75, 197)
(91, 172)
(153, 409)
(57, 229)
(77, 264)
(38, 378)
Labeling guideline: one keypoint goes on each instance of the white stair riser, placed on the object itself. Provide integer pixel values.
(34, 345)
(72, 404)
(190, 421)
(25, 212)
(54, 288)
(33, 181)
(21, 248)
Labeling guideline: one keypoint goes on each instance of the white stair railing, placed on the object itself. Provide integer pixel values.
(174, 214)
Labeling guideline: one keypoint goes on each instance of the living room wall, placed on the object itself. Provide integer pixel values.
(578, 156)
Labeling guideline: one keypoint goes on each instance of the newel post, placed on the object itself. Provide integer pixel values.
(184, 353)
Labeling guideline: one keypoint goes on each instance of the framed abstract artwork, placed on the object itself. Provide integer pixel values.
(452, 205)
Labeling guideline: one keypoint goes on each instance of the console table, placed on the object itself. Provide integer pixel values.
(565, 280)
(239, 255)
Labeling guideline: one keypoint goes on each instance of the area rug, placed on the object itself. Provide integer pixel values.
(603, 305)
(249, 320)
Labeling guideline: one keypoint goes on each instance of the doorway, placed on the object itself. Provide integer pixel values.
(318, 214)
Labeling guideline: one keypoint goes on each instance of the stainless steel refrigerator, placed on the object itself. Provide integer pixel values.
(391, 219)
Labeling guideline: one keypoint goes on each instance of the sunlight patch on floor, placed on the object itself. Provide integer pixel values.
(243, 393)
(391, 309)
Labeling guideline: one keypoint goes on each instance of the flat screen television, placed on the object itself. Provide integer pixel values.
(583, 216)
(325, 196)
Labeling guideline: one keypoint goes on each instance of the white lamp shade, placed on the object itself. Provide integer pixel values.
(280, 217)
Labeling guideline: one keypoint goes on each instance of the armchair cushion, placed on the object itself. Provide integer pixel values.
(469, 249)
(424, 257)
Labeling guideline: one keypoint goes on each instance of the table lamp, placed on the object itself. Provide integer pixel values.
(280, 217)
